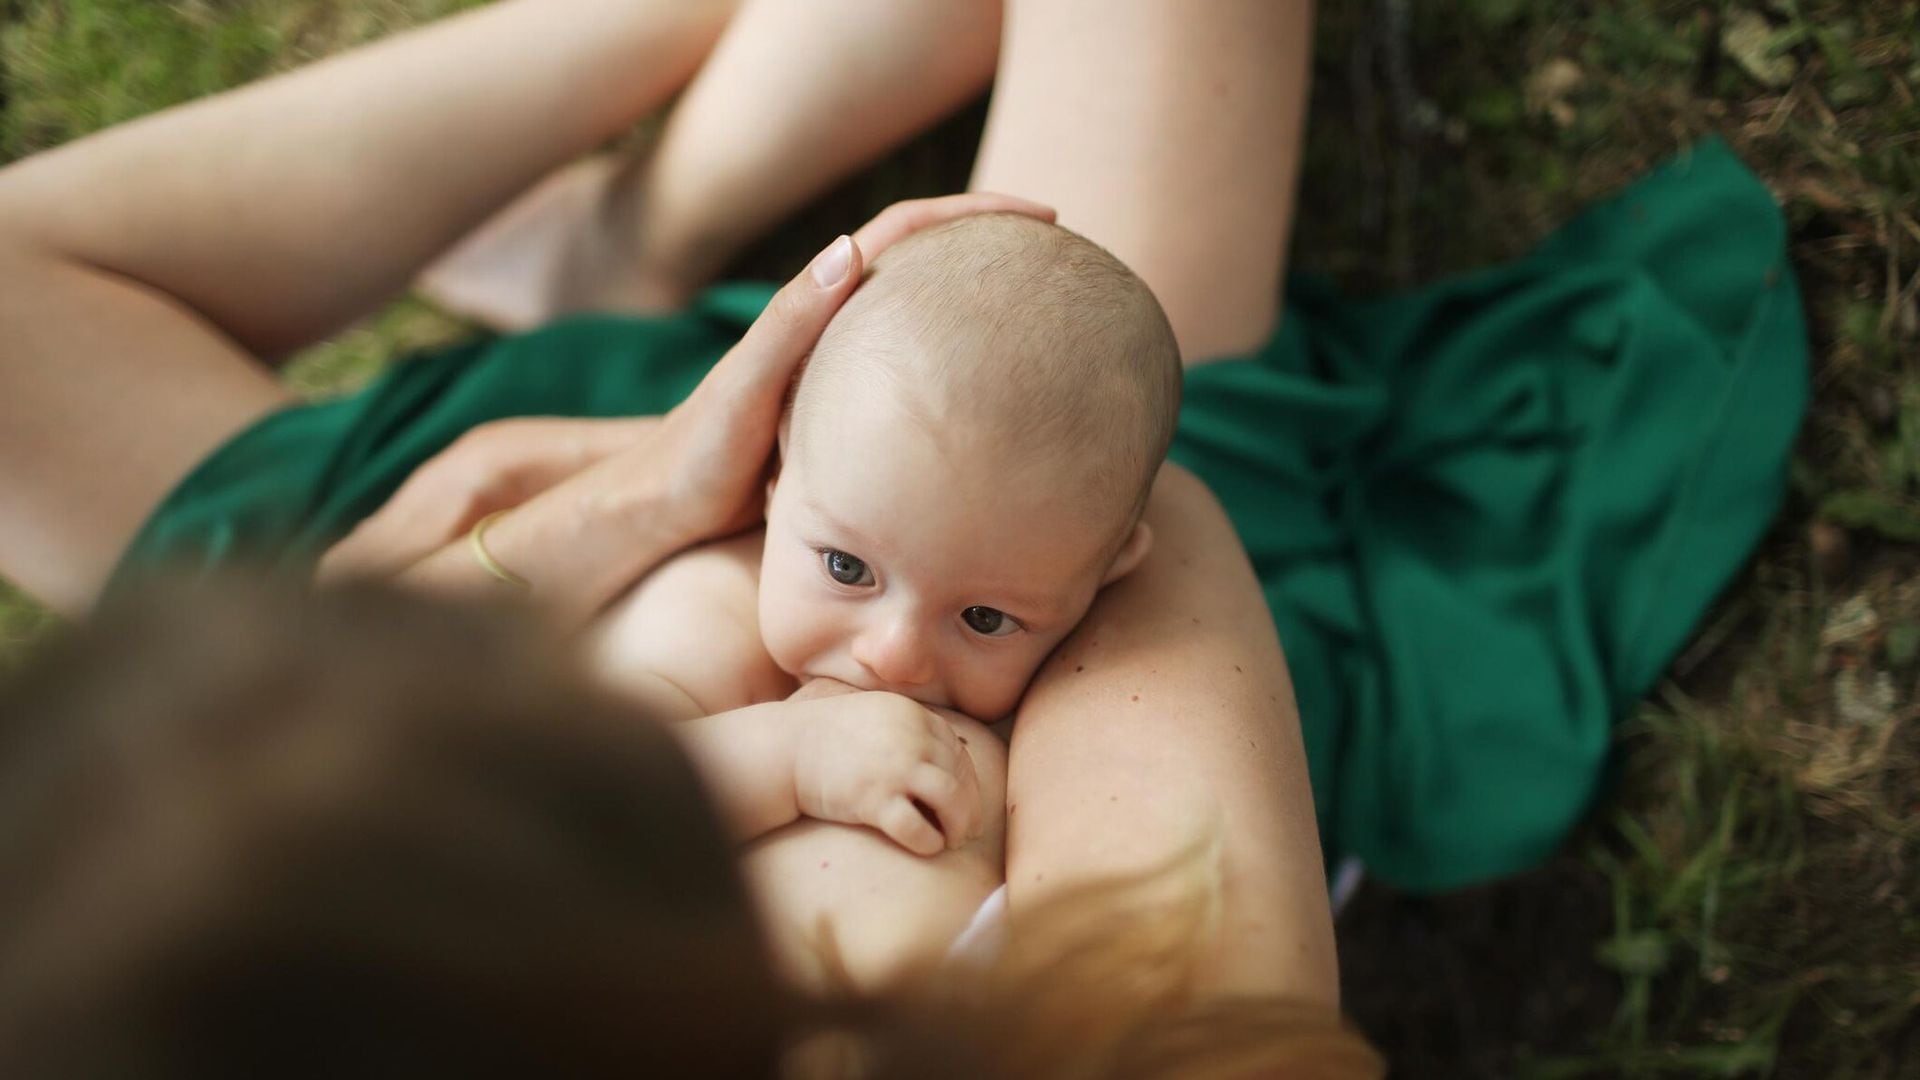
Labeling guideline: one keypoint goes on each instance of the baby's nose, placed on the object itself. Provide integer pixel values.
(895, 653)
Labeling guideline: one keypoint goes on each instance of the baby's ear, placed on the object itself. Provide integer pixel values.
(779, 456)
(1131, 552)
(778, 466)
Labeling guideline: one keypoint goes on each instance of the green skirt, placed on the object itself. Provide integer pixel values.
(1486, 514)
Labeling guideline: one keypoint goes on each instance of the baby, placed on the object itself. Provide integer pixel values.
(963, 464)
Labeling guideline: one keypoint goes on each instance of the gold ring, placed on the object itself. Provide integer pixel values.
(485, 558)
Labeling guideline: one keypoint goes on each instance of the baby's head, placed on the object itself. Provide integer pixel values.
(965, 462)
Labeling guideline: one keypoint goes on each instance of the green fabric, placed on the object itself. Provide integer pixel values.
(1485, 513)
(282, 490)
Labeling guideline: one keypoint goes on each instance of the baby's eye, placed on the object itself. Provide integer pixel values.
(988, 622)
(846, 569)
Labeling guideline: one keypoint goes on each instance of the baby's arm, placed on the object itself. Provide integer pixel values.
(869, 758)
(685, 642)
(816, 882)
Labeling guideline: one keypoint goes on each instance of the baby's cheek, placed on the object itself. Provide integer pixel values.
(784, 629)
(997, 690)
(788, 630)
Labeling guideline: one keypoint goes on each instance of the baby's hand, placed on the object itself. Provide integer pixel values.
(879, 760)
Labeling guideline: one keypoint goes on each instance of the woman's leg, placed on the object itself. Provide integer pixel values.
(795, 97)
(1170, 133)
(147, 266)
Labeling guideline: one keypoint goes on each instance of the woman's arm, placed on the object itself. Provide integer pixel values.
(697, 474)
(1167, 717)
(694, 476)
(147, 267)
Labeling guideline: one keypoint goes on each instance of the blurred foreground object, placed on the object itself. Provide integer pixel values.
(247, 831)
(244, 833)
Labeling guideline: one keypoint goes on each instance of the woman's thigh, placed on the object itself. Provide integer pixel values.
(845, 902)
(1167, 132)
(91, 444)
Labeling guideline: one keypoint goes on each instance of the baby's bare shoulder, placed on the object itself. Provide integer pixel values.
(731, 564)
(695, 620)
(720, 573)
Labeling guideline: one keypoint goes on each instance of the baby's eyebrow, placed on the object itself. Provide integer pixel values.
(836, 524)
(1046, 607)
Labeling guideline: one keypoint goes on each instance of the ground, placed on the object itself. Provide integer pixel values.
(1741, 904)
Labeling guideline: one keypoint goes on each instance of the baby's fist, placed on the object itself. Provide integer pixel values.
(889, 762)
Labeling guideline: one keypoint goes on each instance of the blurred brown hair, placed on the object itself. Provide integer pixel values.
(1097, 981)
(246, 832)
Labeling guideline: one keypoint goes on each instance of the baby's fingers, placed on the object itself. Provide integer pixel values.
(954, 799)
(903, 822)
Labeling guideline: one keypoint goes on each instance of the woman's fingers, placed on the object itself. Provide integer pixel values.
(903, 219)
(493, 466)
(715, 446)
(708, 456)
(764, 361)
(758, 368)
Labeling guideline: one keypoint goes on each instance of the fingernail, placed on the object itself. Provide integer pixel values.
(831, 265)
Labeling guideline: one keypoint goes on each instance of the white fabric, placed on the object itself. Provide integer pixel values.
(1346, 881)
(981, 942)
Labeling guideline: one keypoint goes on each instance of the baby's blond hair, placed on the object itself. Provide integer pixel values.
(1002, 325)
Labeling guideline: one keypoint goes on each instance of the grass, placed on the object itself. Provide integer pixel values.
(1743, 904)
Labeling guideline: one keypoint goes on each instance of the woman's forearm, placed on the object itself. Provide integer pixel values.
(285, 209)
(1167, 720)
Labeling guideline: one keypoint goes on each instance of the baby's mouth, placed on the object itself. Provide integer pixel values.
(925, 695)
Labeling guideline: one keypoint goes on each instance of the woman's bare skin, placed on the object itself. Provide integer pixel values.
(263, 220)
(1098, 111)
(1101, 792)
(236, 248)
(823, 87)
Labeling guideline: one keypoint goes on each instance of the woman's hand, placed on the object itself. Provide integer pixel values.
(495, 466)
(693, 475)
(713, 449)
